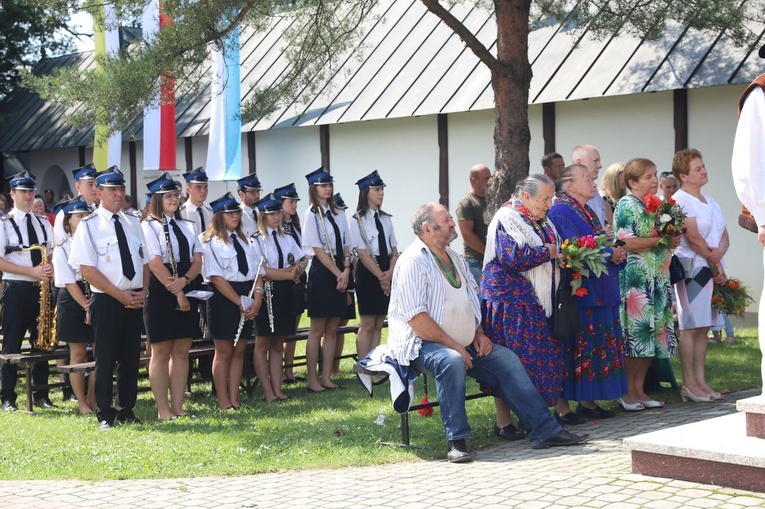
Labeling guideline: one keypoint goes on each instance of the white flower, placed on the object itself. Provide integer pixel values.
(665, 218)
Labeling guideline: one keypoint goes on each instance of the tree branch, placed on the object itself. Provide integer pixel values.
(470, 40)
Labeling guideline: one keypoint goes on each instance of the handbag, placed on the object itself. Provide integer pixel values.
(565, 314)
(676, 270)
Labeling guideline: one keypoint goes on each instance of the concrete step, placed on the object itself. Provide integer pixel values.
(714, 451)
(754, 408)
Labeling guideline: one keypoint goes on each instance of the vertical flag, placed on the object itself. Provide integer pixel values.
(159, 136)
(224, 149)
(107, 150)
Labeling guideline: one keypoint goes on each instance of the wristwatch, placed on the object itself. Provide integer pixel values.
(188, 281)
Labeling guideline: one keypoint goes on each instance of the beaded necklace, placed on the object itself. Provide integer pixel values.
(451, 275)
(583, 211)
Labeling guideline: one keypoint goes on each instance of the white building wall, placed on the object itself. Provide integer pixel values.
(404, 151)
(287, 155)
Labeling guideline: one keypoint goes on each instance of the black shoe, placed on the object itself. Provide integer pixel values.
(457, 452)
(562, 437)
(594, 413)
(570, 418)
(44, 402)
(509, 432)
(9, 406)
(126, 416)
(68, 394)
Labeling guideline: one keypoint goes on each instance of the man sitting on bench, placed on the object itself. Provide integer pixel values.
(434, 325)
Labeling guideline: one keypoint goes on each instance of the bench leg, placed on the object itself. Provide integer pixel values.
(28, 384)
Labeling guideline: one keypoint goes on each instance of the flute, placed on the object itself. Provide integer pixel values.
(250, 294)
(268, 288)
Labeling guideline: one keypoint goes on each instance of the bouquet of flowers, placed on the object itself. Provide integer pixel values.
(584, 257)
(731, 298)
(668, 217)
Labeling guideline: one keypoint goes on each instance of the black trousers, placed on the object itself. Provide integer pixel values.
(21, 305)
(118, 343)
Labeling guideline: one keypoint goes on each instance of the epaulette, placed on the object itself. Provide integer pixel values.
(63, 241)
(187, 220)
(5, 217)
(136, 214)
(41, 217)
(256, 234)
(90, 216)
(150, 219)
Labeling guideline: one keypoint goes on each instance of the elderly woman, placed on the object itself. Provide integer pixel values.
(594, 358)
(701, 249)
(519, 279)
(646, 310)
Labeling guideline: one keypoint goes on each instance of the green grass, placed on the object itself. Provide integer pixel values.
(333, 429)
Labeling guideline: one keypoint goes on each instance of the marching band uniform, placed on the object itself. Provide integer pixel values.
(112, 246)
(377, 228)
(162, 320)
(249, 214)
(21, 293)
(234, 260)
(202, 215)
(350, 309)
(279, 251)
(87, 172)
(71, 326)
(323, 299)
(293, 229)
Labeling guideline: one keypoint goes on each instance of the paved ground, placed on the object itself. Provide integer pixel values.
(508, 475)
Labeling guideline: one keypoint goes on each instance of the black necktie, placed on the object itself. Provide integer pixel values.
(294, 233)
(382, 243)
(241, 258)
(127, 261)
(32, 234)
(183, 245)
(202, 219)
(255, 217)
(338, 241)
(279, 250)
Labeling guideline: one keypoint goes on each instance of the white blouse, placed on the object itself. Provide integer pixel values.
(313, 233)
(709, 221)
(372, 234)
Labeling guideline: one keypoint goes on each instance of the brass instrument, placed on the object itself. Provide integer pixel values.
(46, 320)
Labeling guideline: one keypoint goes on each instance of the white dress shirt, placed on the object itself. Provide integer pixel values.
(370, 229)
(313, 233)
(748, 161)
(220, 259)
(9, 238)
(154, 233)
(63, 273)
(189, 212)
(95, 244)
(265, 247)
(598, 205)
(249, 225)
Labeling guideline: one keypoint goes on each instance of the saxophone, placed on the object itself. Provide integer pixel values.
(46, 320)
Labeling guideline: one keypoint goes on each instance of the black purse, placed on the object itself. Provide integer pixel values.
(565, 316)
(676, 270)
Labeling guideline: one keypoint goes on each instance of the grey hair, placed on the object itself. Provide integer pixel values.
(424, 214)
(532, 183)
(567, 175)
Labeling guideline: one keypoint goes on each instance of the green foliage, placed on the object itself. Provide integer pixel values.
(27, 34)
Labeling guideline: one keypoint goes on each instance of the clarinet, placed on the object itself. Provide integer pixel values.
(169, 247)
(268, 288)
(250, 294)
(326, 234)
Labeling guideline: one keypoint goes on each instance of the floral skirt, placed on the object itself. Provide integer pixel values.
(594, 358)
(524, 329)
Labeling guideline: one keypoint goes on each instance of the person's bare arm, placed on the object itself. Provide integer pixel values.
(470, 238)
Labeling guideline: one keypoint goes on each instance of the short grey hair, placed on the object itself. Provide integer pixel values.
(567, 175)
(532, 183)
(423, 215)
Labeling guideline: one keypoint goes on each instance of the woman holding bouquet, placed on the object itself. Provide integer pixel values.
(517, 289)
(594, 358)
(701, 249)
(646, 310)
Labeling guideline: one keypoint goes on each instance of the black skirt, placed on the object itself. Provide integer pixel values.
(70, 318)
(372, 300)
(284, 319)
(324, 300)
(223, 315)
(162, 320)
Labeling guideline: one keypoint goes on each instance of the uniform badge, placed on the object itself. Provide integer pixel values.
(291, 259)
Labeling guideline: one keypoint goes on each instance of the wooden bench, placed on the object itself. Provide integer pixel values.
(26, 360)
(405, 437)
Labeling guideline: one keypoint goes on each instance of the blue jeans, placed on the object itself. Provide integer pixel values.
(476, 269)
(502, 371)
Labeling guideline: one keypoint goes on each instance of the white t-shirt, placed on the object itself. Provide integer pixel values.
(709, 221)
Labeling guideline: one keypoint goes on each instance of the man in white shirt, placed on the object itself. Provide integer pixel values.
(23, 273)
(249, 191)
(110, 250)
(589, 157)
(85, 185)
(435, 326)
(748, 166)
